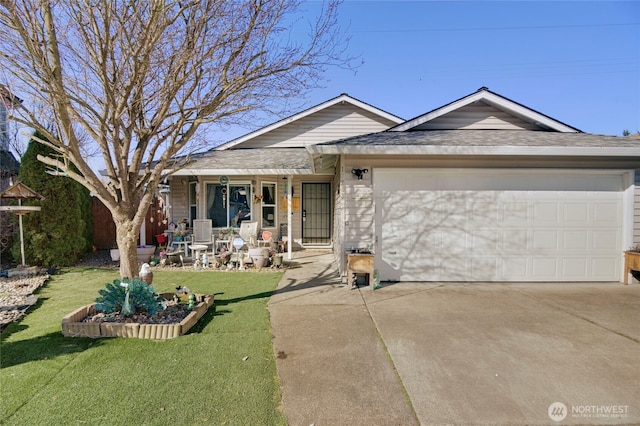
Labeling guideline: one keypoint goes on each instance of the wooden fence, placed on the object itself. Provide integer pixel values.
(104, 230)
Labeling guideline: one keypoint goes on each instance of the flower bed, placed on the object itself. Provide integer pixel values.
(74, 324)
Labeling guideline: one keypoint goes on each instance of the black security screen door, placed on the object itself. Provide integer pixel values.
(316, 213)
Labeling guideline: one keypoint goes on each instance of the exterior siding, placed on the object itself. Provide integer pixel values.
(358, 208)
(179, 206)
(480, 116)
(636, 210)
(336, 122)
(358, 232)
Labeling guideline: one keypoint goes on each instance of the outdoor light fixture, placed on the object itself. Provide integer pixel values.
(359, 172)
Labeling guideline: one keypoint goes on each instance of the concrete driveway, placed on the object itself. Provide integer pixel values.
(472, 354)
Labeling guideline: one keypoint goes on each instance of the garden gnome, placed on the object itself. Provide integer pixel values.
(146, 274)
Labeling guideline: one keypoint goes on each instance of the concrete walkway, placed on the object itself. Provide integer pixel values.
(432, 353)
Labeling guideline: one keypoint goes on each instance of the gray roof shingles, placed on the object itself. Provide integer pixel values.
(480, 138)
(297, 160)
(279, 159)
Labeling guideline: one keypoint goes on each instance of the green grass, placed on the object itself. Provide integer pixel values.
(198, 378)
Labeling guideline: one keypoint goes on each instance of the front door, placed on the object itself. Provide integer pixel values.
(316, 213)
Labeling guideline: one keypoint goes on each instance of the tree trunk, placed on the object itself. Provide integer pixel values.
(127, 238)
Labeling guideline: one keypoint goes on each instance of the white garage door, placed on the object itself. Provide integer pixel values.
(478, 225)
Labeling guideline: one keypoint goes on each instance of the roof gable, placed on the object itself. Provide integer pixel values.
(484, 110)
(337, 118)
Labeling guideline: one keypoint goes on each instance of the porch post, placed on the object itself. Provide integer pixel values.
(289, 213)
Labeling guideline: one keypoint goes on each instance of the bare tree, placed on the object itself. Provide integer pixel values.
(140, 79)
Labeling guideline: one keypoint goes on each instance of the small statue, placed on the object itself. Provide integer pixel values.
(192, 301)
(146, 274)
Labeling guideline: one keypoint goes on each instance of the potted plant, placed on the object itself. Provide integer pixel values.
(632, 263)
(276, 260)
(226, 233)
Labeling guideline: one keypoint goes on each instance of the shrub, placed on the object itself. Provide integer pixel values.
(142, 297)
(60, 233)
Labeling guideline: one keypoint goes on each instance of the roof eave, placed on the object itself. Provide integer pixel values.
(546, 151)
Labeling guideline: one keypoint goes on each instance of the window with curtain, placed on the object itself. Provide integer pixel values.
(269, 205)
(228, 205)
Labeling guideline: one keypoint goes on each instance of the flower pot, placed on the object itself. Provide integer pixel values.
(115, 254)
(258, 257)
(145, 253)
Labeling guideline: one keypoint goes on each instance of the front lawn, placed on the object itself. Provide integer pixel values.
(222, 372)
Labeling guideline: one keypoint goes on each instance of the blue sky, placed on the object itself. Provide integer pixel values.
(576, 61)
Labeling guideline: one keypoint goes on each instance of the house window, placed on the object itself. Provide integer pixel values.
(193, 202)
(228, 205)
(269, 205)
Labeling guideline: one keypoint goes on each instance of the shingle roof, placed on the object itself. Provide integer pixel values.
(485, 138)
(250, 161)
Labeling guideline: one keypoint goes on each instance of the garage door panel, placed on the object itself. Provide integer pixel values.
(483, 268)
(544, 268)
(606, 213)
(458, 270)
(576, 214)
(515, 241)
(514, 213)
(575, 268)
(514, 268)
(575, 240)
(545, 213)
(454, 241)
(606, 240)
(602, 268)
(545, 241)
(450, 225)
(485, 240)
(482, 210)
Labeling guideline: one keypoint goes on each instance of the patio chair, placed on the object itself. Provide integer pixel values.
(249, 233)
(203, 232)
